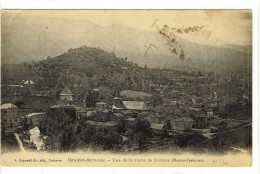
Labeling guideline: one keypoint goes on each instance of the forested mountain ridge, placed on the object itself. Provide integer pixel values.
(90, 66)
(86, 68)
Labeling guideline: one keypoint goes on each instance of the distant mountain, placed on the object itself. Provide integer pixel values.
(36, 38)
(243, 49)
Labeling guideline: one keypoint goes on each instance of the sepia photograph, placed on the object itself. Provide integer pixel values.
(166, 88)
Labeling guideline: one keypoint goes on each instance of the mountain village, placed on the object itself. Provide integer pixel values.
(173, 112)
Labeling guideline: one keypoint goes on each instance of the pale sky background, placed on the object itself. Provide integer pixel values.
(226, 26)
(36, 34)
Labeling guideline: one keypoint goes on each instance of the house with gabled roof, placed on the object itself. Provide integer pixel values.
(9, 117)
(118, 105)
(200, 120)
(100, 125)
(28, 83)
(9, 110)
(66, 95)
(135, 105)
(181, 123)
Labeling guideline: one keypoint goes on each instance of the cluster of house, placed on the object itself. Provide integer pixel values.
(14, 119)
(173, 116)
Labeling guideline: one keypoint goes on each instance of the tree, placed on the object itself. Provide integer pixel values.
(140, 131)
(63, 131)
(20, 102)
(199, 73)
(221, 143)
(156, 100)
(105, 139)
(56, 120)
(25, 91)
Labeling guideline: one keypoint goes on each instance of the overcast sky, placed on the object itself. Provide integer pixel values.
(226, 26)
(23, 34)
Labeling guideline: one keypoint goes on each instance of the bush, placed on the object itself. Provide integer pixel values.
(140, 131)
(221, 143)
(189, 139)
(106, 140)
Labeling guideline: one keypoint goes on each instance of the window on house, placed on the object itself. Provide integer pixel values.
(4, 112)
(15, 120)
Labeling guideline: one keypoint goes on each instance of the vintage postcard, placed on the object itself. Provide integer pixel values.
(126, 88)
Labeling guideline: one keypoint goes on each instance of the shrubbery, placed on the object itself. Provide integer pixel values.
(189, 139)
(140, 131)
(65, 133)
